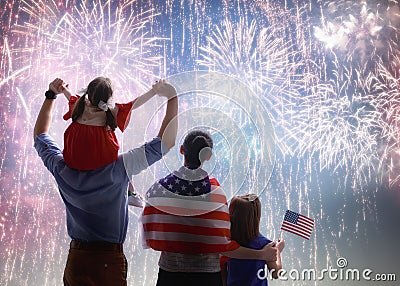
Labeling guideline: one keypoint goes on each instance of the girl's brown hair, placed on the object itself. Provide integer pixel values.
(245, 213)
(99, 89)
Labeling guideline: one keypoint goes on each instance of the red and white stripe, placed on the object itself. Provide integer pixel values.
(303, 228)
(187, 224)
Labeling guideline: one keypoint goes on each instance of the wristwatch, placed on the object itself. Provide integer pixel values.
(50, 94)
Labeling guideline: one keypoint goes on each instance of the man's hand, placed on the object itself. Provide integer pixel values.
(270, 252)
(56, 86)
(169, 126)
(156, 86)
(164, 89)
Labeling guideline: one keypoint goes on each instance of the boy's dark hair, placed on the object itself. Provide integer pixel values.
(99, 89)
(245, 213)
(197, 148)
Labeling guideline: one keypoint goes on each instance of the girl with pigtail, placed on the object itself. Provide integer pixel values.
(90, 141)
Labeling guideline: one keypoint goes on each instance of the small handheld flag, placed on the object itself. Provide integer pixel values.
(298, 224)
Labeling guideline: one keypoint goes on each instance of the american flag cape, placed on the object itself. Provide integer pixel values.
(298, 224)
(187, 212)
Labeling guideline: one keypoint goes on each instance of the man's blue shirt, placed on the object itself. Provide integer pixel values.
(96, 201)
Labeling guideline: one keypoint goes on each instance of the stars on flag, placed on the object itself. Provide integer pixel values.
(186, 182)
(298, 224)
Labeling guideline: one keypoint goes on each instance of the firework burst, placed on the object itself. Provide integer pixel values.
(79, 42)
(261, 59)
(249, 51)
(363, 34)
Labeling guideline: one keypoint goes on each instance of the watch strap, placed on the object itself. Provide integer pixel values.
(50, 94)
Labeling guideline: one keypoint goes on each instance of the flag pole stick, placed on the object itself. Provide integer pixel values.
(280, 232)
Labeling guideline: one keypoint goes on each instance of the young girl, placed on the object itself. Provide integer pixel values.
(245, 213)
(90, 141)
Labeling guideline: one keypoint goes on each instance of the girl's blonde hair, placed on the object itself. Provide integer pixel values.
(99, 89)
(245, 213)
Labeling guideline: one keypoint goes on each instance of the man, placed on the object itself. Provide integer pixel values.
(96, 201)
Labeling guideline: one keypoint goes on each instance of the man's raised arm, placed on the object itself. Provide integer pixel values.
(43, 120)
(169, 126)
